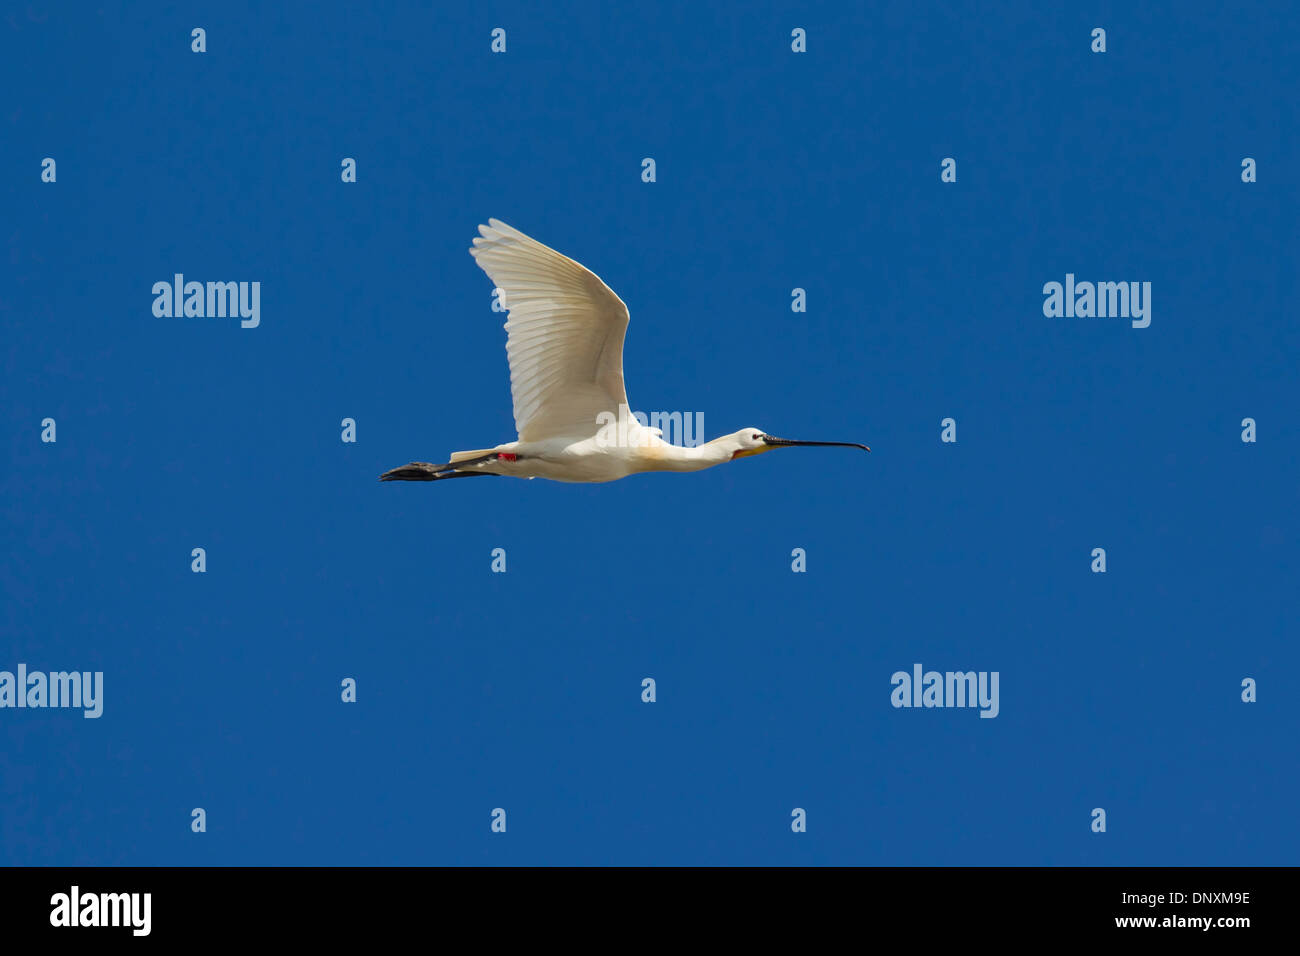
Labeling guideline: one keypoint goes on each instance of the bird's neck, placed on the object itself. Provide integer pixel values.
(667, 457)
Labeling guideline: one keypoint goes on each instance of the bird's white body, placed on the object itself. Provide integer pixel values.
(565, 346)
(591, 458)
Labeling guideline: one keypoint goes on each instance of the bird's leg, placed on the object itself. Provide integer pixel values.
(464, 474)
(416, 471)
(425, 471)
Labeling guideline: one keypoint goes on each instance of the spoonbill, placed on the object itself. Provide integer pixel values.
(565, 346)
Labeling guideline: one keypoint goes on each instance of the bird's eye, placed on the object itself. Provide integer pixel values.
(756, 437)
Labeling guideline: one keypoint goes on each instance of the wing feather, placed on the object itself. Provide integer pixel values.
(565, 335)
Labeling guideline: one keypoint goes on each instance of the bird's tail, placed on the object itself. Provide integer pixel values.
(482, 454)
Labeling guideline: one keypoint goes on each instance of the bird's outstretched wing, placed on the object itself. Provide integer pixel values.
(565, 335)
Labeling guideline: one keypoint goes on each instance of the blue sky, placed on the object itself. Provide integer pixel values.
(521, 690)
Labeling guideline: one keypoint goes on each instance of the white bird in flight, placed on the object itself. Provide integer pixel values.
(565, 346)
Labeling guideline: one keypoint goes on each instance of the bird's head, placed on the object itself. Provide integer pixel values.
(749, 441)
(755, 441)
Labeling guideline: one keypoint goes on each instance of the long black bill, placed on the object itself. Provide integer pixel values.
(773, 440)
